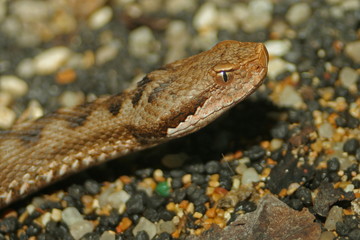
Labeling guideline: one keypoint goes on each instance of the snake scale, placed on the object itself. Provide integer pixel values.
(172, 101)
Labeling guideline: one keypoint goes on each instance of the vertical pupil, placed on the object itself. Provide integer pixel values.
(225, 77)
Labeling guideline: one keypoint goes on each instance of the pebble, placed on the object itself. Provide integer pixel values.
(259, 15)
(56, 215)
(142, 44)
(205, 18)
(107, 52)
(100, 17)
(8, 117)
(115, 199)
(278, 47)
(174, 160)
(351, 145)
(108, 235)
(71, 99)
(26, 68)
(80, 228)
(333, 165)
(13, 85)
(298, 13)
(276, 144)
(249, 176)
(146, 226)
(326, 130)
(276, 67)
(178, 6)
(355, 234)
(71, 215)
(289, 97)
(178, 39)
(165, 226)
(352, 49)
(355, 206)
(334, 216)
(74, 220)
(327, 236)
(51, 60)
(348, 77)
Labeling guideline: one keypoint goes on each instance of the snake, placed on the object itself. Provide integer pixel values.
(169, 102)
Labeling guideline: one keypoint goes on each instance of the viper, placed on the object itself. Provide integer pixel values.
(170, 102)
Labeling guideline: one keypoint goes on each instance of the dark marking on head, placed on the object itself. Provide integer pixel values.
(186, 110)
(138, 92)
(114, 103)
(154, 132)
(156, 91)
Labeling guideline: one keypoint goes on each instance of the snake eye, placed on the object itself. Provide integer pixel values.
(224, 73)
(224, 77)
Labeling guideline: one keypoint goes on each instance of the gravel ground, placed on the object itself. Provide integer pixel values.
(297, 139)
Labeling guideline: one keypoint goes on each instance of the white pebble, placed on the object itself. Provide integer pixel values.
(100, 17)
(71, 99)
(80, 228)
(71, 215)
(259, 15)
(26, 68)
(298, 13)
(13, 85)
(349, 188)
(107, 52)
(326, 130)
(5, 99)
(352, 49)
(249, 176)
(108, 235)
(145, 225)
(278, 47)
(276, 144)
(51, 60)
(177, 6)
(7, 117)
(167, 227)
(289, 97)
(355, 206)
(277, 66)
(334, 216)
(45, 218)
(178, 38)
(31, 10)
(56, 215)
(348, 77)
(142, 44)
(206, 17)
(117, 198)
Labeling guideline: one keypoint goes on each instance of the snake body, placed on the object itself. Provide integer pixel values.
(173, 101)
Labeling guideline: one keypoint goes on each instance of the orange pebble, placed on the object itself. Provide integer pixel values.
(123, 225)
(66, 76)
(125, 179)
(176, 234)
(184, 204)
(211, 213)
